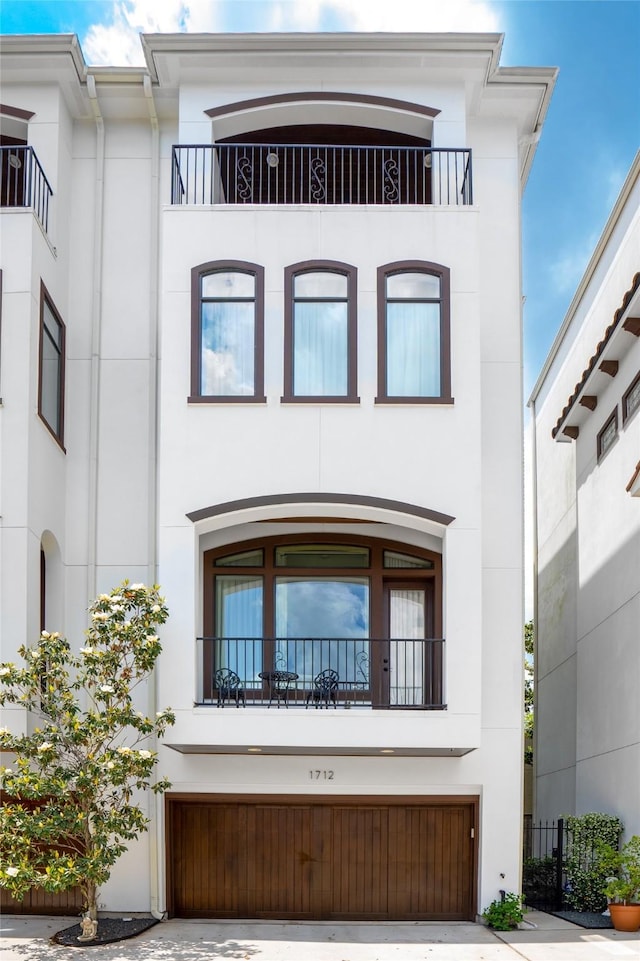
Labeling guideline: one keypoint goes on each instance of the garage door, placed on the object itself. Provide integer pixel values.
(322, 858)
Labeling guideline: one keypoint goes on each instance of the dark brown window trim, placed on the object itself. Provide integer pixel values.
(45, 297)
(626, 415)
(16, 112)
(425, 267)
(213, 266)
(240, 106)
(351, 273)
(612, 418)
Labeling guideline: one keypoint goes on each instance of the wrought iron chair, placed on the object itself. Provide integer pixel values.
(325, 689)
(229, 687)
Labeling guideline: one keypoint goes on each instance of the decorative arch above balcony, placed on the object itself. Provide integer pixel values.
(322, 96)
(348, 506)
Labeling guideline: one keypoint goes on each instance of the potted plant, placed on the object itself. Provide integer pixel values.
(623, 887)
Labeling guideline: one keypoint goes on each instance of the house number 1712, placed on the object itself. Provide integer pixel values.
(317, 775)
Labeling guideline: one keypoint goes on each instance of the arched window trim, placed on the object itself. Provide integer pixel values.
(197, 273)
(318, 266)
(443, 273)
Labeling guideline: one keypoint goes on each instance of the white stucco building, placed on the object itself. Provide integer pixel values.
(262, 345)
(587, 489)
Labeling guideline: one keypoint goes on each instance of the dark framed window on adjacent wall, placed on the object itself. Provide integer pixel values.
(320, 333)
(52, 364)
(608, 434)
(631, 399)
(227, 332)
(414, 342)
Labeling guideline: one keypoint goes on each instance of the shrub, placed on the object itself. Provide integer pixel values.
(504, 914)
(585, 863)
(538, 880)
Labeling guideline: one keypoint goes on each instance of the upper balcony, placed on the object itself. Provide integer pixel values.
(23, 182)
(320, 174)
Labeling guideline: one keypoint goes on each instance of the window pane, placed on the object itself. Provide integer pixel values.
(320, 350)
(52, 326)
(50, 382)
(393, 559)
(227, 284)
(413, 350)
(323, 623)
(239, 626)
(321, 555)
(632, 399)
(413, 286)
(228, 349)
(321, 284)
(407, 624)
(246, 559)
(608, 435)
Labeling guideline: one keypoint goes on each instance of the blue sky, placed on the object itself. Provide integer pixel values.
(589, 140)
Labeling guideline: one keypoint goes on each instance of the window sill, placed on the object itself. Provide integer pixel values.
(319, 401)
(226, 400)
(416, 401)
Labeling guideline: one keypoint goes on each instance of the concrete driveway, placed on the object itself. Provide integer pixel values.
(27, 939)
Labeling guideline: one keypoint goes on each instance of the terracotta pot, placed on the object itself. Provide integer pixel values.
(625, 917)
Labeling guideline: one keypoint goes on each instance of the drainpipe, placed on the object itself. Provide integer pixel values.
(96, 327)
(534, 498)
(156, 865)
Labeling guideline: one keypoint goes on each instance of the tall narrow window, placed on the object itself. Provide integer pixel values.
(51, 375)
(227, 322)
(631, 399)
(320, 332)
(414, 362)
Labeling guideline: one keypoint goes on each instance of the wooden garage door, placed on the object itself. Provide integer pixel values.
(322, 858)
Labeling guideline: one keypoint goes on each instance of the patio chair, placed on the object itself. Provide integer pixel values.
(229, 687)
(325, 689)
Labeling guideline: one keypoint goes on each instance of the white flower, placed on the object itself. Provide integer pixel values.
(4, 671)
(124, 750)
(34, 654)
(116, 598)
(110, 765)
(6, 770)
(126, 624)
(100, 616)
(106, 689)
(3, 731)
(87, 650)
(155, 609)
(145, 754)
(104, 597)
(151, 638)
(45, 634)
(136, 587)
(12, 872)
(45, 746)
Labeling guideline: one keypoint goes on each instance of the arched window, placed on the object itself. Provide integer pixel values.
(320, 336)
(227, 332)
(367, 610)
(414, 351)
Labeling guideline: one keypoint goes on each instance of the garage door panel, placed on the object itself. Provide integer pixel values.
(321, 859)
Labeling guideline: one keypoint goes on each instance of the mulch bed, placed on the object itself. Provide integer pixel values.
(109, 930)
(586, 919)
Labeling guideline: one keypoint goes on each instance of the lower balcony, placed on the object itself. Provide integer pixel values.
(322, 673)
(23, 182)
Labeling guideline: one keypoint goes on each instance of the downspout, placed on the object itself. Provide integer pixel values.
(534, 498)
(96, 331)
(156, 821)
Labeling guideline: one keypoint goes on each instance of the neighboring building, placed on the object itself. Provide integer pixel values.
(279, 372)
(587, 495)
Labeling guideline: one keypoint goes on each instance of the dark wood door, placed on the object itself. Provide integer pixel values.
(322, 858)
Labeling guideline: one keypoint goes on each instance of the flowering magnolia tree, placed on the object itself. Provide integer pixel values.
(70, 795)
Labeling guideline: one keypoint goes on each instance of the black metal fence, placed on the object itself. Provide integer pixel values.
(404, 674)
(318, 174)
(543, 872)
(23, 182)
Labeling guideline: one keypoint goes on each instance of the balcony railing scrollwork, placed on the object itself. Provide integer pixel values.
(23, 182)
(404, 673)
(320, 175)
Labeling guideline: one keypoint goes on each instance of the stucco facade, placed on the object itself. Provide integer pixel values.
(587, 441)
(148, 478)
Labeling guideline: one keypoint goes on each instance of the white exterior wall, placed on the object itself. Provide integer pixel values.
(588, 661)
(113, 277)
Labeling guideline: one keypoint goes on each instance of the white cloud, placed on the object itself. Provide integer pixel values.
(568, 268)
(117, 41)
(410, 15)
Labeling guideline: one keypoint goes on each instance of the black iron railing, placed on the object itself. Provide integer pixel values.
(316, 174)
(23, 182)
(404, 674)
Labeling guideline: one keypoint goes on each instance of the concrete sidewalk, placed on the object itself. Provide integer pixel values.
(27, 939)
